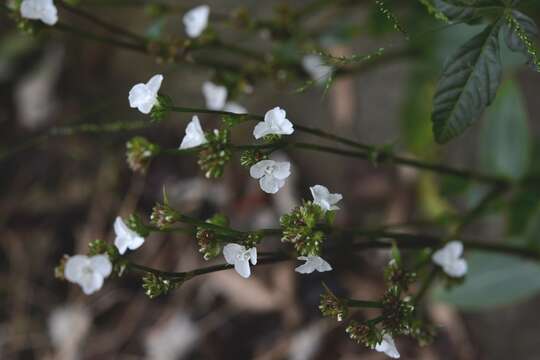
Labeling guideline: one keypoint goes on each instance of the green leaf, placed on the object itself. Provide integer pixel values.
(493, 280)
(468, 84)
(518, 31)
(465, 10)
(504, 140)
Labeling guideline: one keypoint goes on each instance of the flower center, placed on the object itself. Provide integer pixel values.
(269, 169)
(243, 256)
(87, 270)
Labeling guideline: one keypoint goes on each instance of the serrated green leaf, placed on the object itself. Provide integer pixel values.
(504, 139)
(465, 10)
(468, 84)
(493, 280)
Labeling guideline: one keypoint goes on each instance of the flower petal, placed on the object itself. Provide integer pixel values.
(456, 268)
(323, 265)
(138, 95)
(231, 252)
(455, 248)
(388, 346)
(258, 170)
(282, 170)
(91, 282)
(261, 130)
(155, 83)
(253, 255)
(242, 268)
(270, 184)
(194, 134)
(235, 108)
(306, 268)
(196, 20)
(215, 95)
(73, 269)
(101, 265)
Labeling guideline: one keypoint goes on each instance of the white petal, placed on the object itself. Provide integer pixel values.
(196, 20)
(215, 95)
(388, 347)
(43, 10)
(253, 255)
(270, 184)
(91, 282)
(194, 135)
(323, 265)
(261, 130)
(275, 116)
(455, 248)
(258, 170)
(231, 252)
(456, 268)
(121, 244)
(101, 265)
(155, 83)
(125, 237)
(120, 228)
(146, 107)
(73, 270)
(282, 170)
(306, 268)
(235, 108)
(242, 268)
(138, 95)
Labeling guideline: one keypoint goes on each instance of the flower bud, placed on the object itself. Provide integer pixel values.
(140, 152)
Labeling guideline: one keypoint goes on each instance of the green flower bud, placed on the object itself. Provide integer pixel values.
(214, 157)
(299, 229)
(161, 108)
(140, 153)
(163, 216)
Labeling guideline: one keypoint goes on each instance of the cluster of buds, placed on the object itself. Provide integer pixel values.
(214, 157)
(332, 306)
(366, 333)
(300, 229)
(155, 285)
(209, 244)
(396, 275)
(163, 216)
(161, 108)
(398, 313)
(139, 153)
(249, 158)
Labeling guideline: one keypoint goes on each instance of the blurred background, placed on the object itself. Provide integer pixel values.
(60, 191)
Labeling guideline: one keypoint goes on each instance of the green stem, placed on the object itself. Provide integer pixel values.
(108, 26)
(364, 304)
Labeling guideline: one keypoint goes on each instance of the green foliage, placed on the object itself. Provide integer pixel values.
(468, 84)
(504, 140)
(493, 280)
(466, 10)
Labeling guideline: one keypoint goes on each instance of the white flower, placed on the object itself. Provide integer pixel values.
(449, 258)
(194, 134)
(144, 96)
(316, 68)
(234, 108)
(240, 257)
(125, 237)
(275, 122)
(271, 174)
(323, 198)
(173, 339)
(388, 347)
(196, 20)
(68, 326)
(311, 264)
(215, 95)
(43, 10)
(88, 272)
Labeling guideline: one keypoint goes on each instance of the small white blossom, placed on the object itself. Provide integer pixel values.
(449, 258)
(125, 237)
(271, 174)
(215, 95)
(388, 347)
(316, 68)
(240, 257)
(196, 20)
(323, 198)
(311, 264)
(194, 134)
(88, 272)
(275, 122)
(145, 96)
(43, 10)
(234, 108)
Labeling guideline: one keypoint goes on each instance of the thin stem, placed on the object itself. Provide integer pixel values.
(364, 304)
(108, 26)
